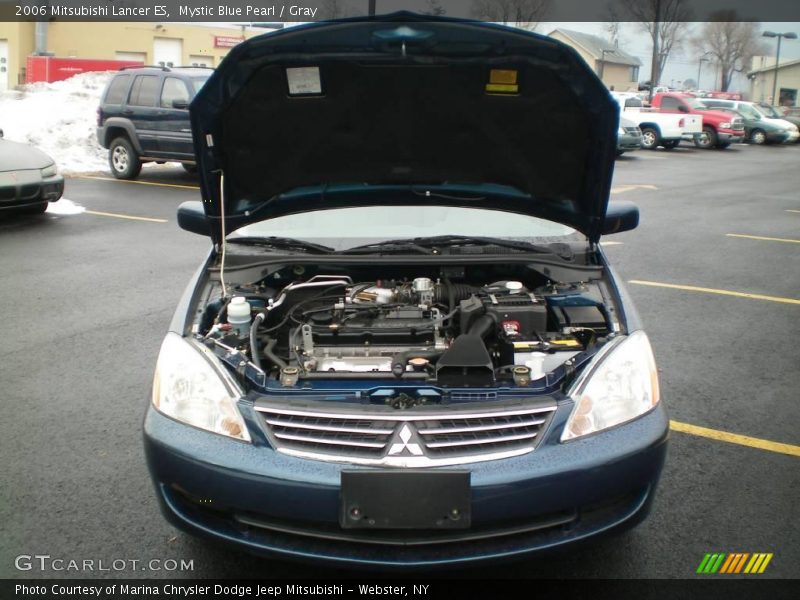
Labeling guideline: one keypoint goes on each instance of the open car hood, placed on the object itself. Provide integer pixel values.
(409, 110)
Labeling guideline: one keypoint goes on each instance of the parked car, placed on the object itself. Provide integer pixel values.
(144, 117)
(629, 136)
(719, 130)
(780, 112)
(434, 363)
(758, 128)
(658, 129)
(29, 178)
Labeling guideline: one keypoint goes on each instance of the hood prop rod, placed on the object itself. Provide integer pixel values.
(224, 241)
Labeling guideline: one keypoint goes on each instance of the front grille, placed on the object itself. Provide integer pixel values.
(423, 437)
(737, 124)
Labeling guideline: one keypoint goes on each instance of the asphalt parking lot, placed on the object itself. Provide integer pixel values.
(714, 269)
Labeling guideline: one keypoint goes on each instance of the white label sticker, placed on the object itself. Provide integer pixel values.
(304, 80)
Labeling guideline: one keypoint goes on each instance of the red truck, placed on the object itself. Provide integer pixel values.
(720, 128)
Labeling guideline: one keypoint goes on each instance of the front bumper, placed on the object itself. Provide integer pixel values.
(20, 189)
(732, 137)
(266, 502)
(628, 142)
(791, 137)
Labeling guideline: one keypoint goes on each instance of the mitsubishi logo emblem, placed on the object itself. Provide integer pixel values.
(399, 447)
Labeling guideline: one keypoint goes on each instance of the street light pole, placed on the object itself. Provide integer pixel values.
(371, 8)
(789, 35)
(603, 62)
(700, 66)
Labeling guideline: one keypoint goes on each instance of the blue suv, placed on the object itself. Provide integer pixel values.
(144, 117)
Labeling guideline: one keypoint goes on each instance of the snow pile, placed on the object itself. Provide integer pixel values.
(60, 119)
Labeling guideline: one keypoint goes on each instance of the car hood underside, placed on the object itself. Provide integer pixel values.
(410, 106)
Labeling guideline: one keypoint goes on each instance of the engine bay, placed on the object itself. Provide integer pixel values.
(459, 326)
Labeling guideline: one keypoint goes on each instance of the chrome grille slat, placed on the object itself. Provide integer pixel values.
(468, 429)
(336, 428)
(330, 441)
(488, 440)
(450, 435)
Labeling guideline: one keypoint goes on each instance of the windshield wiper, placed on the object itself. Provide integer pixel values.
(282, 243)
(429, 245)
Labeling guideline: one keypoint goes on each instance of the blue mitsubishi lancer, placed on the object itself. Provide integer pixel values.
(405, 346)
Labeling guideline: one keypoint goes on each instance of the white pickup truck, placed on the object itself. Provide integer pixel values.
(658, 129)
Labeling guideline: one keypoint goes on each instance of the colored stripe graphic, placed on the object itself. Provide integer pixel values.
(727, 564)
(734, 563)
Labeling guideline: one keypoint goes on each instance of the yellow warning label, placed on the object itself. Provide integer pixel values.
(502, 81)
(508, 76)
(502, 88)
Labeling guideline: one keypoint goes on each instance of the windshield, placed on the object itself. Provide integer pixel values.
(344, 228)
(768, 111)
(696, 104)
(199, 81)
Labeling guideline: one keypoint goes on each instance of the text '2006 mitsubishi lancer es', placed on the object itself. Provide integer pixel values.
(406, 346)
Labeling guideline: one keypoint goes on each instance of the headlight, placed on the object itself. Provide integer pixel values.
(190, 386)
(50, 171)
(620, 384)
(621, 131)
(725, 125)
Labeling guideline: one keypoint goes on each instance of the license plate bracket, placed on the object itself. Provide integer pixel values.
(407, 499)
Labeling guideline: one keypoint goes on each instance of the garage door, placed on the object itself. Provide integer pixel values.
(132, 56)
(201, 61)
(3, 65)
(168, 52)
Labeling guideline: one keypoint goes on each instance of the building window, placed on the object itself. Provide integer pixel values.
(634, 74)
(787, 97)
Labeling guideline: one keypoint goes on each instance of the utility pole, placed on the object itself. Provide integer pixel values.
(700, 66)
(789, 36)
(371, 8)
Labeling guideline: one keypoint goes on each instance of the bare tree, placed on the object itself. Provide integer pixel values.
(335, 9)
(434, 8)
(732, 44)
(613, 23)
(522, 13)
(666, 21)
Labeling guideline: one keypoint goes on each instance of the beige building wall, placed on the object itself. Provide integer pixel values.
(106, 40)
(613, 74)
(20, 40)
(619, 76)
(763, 81)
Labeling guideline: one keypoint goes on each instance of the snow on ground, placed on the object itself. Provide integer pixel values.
(60, 119)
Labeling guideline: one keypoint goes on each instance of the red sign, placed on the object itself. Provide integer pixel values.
(226, 41)
(49, 68)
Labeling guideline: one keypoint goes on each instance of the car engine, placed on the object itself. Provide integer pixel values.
(449, 332)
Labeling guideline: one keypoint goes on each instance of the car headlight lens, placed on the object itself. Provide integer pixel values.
(50, 171)
(621, 131)
(190, 386)
(725, 125)
(619, 385)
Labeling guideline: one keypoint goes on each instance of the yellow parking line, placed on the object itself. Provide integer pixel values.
(692, 288)
(735, 438)
(792, 210)
(765, 239)
(169, 185)
(118, 216)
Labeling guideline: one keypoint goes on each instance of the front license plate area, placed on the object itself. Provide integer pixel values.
(408, 499)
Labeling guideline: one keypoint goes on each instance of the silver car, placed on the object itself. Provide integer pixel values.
(29, 178)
